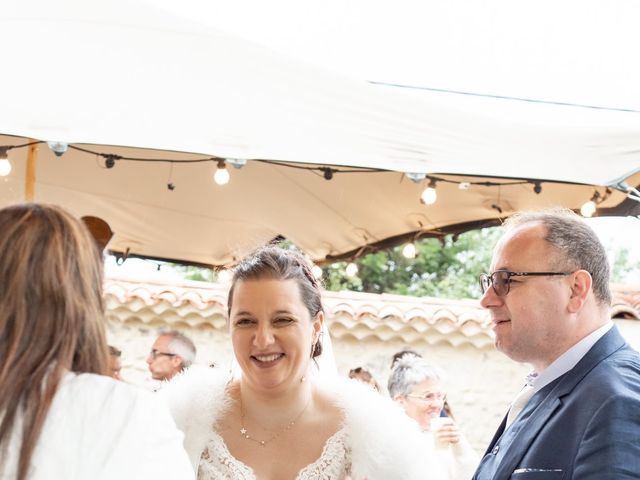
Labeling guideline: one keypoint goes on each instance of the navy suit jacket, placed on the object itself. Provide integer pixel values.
(585, 425)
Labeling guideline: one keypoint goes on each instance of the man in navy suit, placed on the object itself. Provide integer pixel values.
(549, 299)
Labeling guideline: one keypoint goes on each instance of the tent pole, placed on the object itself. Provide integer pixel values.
(30, 174)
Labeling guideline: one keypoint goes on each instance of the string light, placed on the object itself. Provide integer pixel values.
(221, 177)
(588, 209)
(416, 177)
(464, 185)
(317, 271)
(224, 276)
(429, 195)
(5, 165)
(351, 270)
(58, 148)
(409, 250)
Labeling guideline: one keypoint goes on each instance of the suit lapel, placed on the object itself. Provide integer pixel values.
(545, 402)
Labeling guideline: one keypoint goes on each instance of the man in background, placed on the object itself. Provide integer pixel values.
(170, 354)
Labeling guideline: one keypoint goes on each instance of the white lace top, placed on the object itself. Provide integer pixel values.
(333, 464)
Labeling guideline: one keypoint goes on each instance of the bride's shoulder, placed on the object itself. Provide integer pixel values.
(384, 441)
(196, 392)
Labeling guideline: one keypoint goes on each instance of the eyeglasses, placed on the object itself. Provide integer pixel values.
(430, 397)
(500, 280)
(155, 353)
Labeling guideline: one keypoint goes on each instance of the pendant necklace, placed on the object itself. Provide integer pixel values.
(245, 433)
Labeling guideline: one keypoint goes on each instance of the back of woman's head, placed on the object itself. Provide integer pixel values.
(51, 313)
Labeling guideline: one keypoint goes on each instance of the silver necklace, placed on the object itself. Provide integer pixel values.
(245, 433)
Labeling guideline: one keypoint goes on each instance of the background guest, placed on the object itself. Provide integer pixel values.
(419, 388)
(363, 375)
(170, 354)
(114, 362)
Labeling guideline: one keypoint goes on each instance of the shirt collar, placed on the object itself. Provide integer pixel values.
(567, 360)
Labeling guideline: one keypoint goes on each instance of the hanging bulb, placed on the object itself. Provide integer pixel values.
(351, 270)
(224, 276)
(429, 196)
(221, 177)
(409, 250)
(588, 209)
(464, 185)
(5, 166)
(317, 271)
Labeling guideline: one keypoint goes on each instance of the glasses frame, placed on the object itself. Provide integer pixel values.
(155, 353)
(488, 279)
(424, 398)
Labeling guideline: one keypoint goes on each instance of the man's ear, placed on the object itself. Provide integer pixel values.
(176, 361)
(580, 288)
(400, 399)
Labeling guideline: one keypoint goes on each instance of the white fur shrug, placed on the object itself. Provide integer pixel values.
(385, 443)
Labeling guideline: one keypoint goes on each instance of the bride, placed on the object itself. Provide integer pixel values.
(279, 419)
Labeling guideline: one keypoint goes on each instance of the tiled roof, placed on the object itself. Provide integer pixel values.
(349, 314)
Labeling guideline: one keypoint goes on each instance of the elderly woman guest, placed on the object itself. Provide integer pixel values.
(279, 420)
(59, 417)
(418, 387)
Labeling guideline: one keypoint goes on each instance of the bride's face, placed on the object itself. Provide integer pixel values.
(272, 332)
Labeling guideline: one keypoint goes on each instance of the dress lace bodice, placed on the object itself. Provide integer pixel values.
(333, 464)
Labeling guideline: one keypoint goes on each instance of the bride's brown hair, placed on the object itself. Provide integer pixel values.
(51, 316)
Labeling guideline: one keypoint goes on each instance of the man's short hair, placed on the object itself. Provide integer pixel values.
(182, 346)
(577, 244)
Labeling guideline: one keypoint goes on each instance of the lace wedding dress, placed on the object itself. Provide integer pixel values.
(334, 462)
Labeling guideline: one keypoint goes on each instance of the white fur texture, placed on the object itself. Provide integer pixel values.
(385, 443)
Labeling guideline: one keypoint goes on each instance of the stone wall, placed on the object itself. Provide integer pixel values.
(366, 330)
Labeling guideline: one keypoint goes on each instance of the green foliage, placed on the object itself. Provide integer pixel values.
(199, 274)
(447, 268)
(622, 267)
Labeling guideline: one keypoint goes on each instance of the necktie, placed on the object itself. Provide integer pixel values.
(519, 402)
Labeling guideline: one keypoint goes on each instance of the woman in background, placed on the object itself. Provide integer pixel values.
(280, 419)
(60, 418)
(418, 387)
(363, 375)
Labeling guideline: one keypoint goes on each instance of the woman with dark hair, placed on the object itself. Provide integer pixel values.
(59, 416)
(279, 419)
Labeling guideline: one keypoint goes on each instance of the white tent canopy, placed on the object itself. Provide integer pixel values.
(112, 76)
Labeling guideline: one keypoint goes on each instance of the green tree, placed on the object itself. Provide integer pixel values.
(442, 268)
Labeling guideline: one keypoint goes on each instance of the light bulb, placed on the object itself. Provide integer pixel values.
(5, 167)
(588, 209)
(221, 177)
(464, 185)
(224, 276)
(351, 270)
(429, 196)
(409, 250)
(317, 271)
